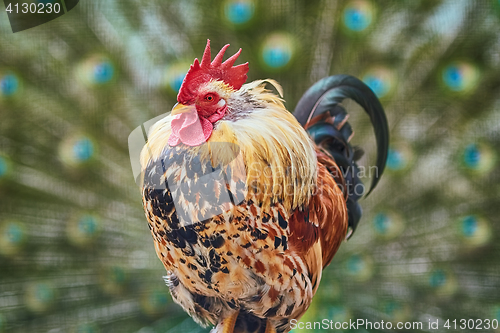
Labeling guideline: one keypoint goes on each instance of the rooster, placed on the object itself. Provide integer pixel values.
(247, 203)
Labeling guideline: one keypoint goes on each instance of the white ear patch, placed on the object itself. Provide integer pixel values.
(221, 103)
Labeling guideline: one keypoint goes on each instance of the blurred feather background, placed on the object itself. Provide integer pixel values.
(75, 250)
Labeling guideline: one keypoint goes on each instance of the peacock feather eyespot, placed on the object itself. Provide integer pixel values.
(40, 296)
(442, 281)
(460, 76)
(83, 229)
(397, 311)
(359, 266)
(478, 158)
(96, 70)
(239, 12)
(13, 236)
(380, 79)
(474, 230)
(358, 15)
(278, 51)
(400, 158)
(388, 224)
(9, 84)
(77, 150)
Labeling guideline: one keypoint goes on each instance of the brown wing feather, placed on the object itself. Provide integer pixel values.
(330, 207)
(325, 219)
(303, 233)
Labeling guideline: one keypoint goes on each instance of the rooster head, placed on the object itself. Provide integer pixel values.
(203, 96)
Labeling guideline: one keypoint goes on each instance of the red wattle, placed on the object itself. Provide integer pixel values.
(191, 129)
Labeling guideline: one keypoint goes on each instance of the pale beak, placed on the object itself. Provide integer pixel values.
(181, 108)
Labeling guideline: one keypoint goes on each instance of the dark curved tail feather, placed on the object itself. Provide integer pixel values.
(320, 113)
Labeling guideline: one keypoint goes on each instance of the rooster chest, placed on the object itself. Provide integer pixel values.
(240, 257)
(216, 255)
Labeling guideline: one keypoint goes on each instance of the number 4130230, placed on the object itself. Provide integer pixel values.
(472, 324)
(33, 8)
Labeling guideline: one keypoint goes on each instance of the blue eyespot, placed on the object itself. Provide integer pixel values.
(87, 225)
(40, 296)
(472, 156)
(475, 230)
(469, 226)
(239, 11)
(103, 72)
(399, 157)
(12, 236)
(359, 267)
(355, 264)
(460, 76)
(83, 149)
(437, 278)
(77, 149)
(358, 15)
(9, 85)
(381, 80)
(388, 224)
(278, 51)
(14, 233)
(276, 57)
(96, 70)
(478, 158)
(382, 223)
(395, 160)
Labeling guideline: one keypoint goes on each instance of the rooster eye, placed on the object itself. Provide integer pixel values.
(209, 97)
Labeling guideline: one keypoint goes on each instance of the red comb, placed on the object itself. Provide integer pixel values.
(234, 76)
